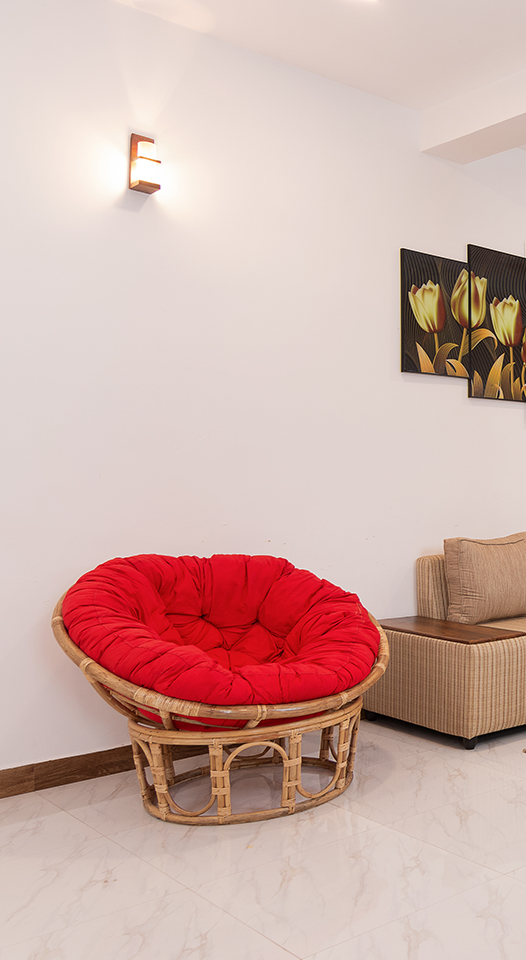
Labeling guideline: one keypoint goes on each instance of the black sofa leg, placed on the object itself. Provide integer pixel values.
(470, 744)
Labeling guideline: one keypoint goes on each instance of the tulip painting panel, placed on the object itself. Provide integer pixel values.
(466, 320)
(435, 322)
(498, 348)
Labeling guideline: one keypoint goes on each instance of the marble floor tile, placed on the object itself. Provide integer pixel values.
(309, 902)
(404, 786)
(37, 838)
(504, 752)
(86, 872)
(172, 928)
(71, 795)
(107, 804)
(374, 747)
(34, 826)
(489, 744)
(43, 892)
(487, 922)
(489, 828)
(519, 874)
(409, 733)
(194, 855)
(25, 807)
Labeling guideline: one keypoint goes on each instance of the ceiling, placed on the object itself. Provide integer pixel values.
(417, 53)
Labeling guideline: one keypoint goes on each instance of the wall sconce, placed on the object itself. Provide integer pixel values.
(144, 165)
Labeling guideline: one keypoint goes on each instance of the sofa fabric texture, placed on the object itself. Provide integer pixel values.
(225, 630)
(486, 578)
(462, 689)
(431, 587)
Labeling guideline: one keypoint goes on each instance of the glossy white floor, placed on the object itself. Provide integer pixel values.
(423, 858)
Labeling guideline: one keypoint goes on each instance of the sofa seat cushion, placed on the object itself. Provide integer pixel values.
(486, 578)
(228, 630)
(511, 623)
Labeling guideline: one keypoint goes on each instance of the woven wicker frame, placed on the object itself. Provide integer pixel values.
(158, 745)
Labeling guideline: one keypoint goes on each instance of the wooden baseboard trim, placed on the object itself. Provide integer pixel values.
(54, 773)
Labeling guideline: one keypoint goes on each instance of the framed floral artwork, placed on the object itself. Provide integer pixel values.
(465, 319)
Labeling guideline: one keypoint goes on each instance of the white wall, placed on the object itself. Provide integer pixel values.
(216, 368)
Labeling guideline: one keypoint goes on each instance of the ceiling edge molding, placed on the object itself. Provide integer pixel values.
(479, 124)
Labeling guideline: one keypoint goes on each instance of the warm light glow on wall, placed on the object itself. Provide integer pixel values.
(144, 165)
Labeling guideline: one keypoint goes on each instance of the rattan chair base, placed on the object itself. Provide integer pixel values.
(153, 748)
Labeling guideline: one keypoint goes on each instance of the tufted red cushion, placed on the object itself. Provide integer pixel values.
(226, 630)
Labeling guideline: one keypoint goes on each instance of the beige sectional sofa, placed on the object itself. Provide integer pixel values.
(459, 666)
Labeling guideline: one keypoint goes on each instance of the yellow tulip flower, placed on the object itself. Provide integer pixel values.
(460, 300)
(427, 305)
(506, 317)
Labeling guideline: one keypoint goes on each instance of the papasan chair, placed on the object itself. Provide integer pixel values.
(234, 656)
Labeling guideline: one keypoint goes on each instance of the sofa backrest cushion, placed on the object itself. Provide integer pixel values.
(486, 578)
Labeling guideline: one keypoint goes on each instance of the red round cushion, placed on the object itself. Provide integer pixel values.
(225, 630)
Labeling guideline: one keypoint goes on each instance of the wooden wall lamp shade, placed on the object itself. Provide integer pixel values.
(144, 168)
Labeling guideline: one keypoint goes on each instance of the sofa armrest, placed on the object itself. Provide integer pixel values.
(431, 587)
